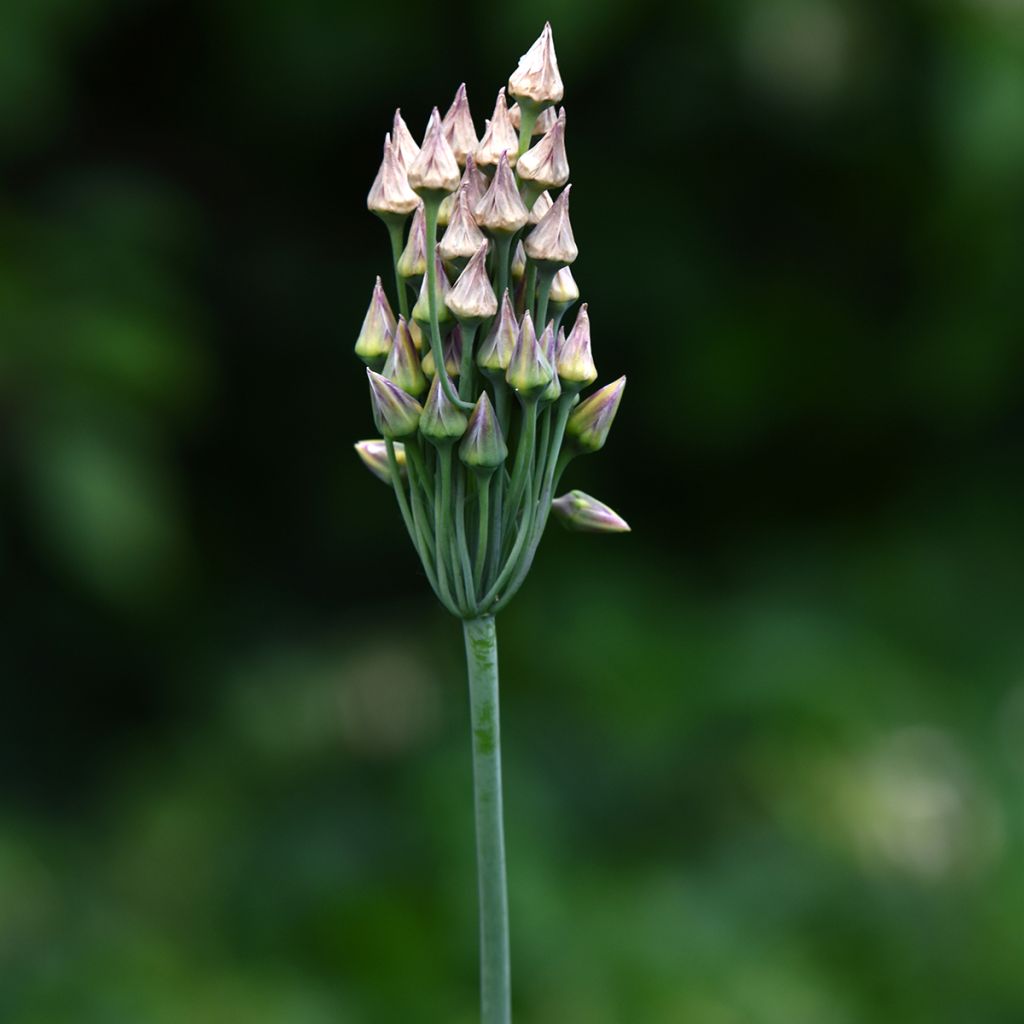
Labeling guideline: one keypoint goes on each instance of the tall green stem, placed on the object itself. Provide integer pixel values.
(396, 229)
(482, 666)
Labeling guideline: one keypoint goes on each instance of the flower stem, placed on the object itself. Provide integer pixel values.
(396, 232)
(482, 666)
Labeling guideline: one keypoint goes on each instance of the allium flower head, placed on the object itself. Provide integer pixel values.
(574, 360)
(403, 364)
(458, 127)
(551, 241)
(405, 145)
(536, 79)
(412, 264)
(390, 195)
(435, 171)
(500, 137)
(529, 373)
(396, 413)
(472, 298)
(462, 237)
(546, 164)
(374, 456)
(442, 422)
(502, 211)
(592, 419)
(483, 448)
(584, 514)
(378, 330)
(496, 351)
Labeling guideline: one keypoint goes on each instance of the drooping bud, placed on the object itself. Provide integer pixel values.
(403, 364)
(495, 353)
(395, 413)
(548, 347)
(458, 127)
(574, 359)
(472, 298)
(529, 371)
(412, 264)
(545, 119)
(541, 205)
(483, 448)
(421, 311)
(405, 145)
(378, 330)
(502, 211)
(374, 456)
(499, 138)
(390, 195)
(442, 421)
(452, 349)
(591, 420)
(584, 514)
(546, 165)
(536, 79)
(462, 237)
(518, 268)
(564, 291)
(551, 242)
(434, 172)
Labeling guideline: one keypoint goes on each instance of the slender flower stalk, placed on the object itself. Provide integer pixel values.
(475, 466)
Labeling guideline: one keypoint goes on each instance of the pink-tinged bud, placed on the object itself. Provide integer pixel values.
(545, 119)
(551, 241)
(540, 207)
(472, 298)
(458, 127)
(374, 456)
(475, 180)
(442, 421)
(499, 138)
(395, 413)
(584, 514)
(421, 311)
(502, 211)
(378, 330)
(434, 172)
(546, 165)
(390, 195)
(495, 353)
(483, 448)
(537, 79)
(462, 238)
(574, 361)
(529, 372)
(452, 349)
(548, 347)
(518, 268)
(403, 364)
(412, 264)
(592, 419)
(405, 145)
(564, 291)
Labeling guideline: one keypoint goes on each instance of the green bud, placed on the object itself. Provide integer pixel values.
(529, 373)
(575, 361)
(502, 210)
(536, 79)
(547, 345)
(395, 413)
(551, 242)
(434, 173)
(374, 456)
(412, 264)
(495, 353)
(592, 419)
(458, 127)
(421, 311)
(403, 364)
(452, 349)
(546, 164)
(472, 298)
(483, 448)
(584, 514)
(442, 422)
(462, 237)
(500, 137)
(378, 330)
(545, 119)
(401, 138)
(390, 196)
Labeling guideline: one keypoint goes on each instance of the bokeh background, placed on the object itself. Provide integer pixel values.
(764, 756)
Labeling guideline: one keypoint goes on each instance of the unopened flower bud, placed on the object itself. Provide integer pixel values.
(462, 237)
(574, 360)
(499, 138)
(584, 514)
(412, 264)
(475, 180)
(495, 353)
(472, 298)
(416, 333)
(458, 127)
(434, 172)
(403, 364)
(564, 291)
(378, 330)
(390, 195)
(452, 349)
(536, 79)
(405, 145)
(591, 420)
(502, 211)
(442, 421)
(548, 347)
(483, 448)
(546, 165)
(421, 311)
(540, 207)
(395, 413)
(374, 456)
(551, 241)
(518, 268)
(529, 372)
(545, 119)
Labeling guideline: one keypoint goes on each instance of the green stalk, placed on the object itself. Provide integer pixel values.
(396, 229)
(483, 490)
(462, 568)
(482, 667)
(524, 456)
(544, 279)
(442, 517)
(502, 249)
(466, 369)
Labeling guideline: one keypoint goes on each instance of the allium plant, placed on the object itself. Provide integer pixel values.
(476, 390)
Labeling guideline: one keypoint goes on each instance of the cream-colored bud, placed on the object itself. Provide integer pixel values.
(412, 264)
(551, 241)
(546, 165)
(500, 137)
(541, 205)
(405, 145)
(574, 360)
(537, 79)
(545, 119)
(564, 290)
(462, 237)
(502, 211)
(472, 298)
(435, 171)
(390, 195)
(458, 127)
(496, 351)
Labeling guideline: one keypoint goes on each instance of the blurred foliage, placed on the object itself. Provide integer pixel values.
(765, 757)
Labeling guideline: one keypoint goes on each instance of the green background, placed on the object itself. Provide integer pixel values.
(764, 756)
